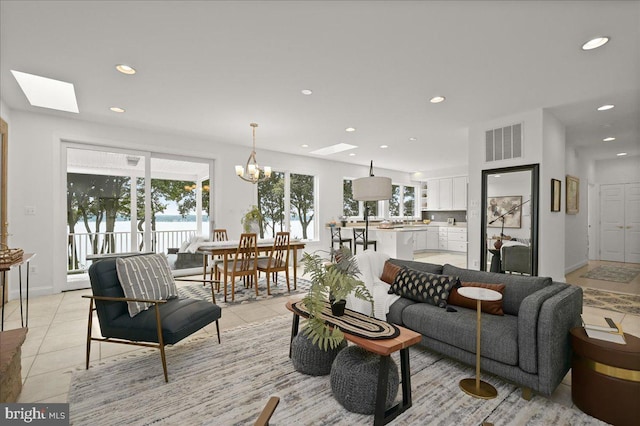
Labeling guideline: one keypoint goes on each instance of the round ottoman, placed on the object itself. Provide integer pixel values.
(309, 359)
(354, 380)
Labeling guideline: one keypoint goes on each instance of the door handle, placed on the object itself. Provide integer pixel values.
(621, 227)
(629, 227)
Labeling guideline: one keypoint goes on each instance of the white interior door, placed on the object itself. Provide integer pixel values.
(612, 232)
(632, 223)
(592, 221)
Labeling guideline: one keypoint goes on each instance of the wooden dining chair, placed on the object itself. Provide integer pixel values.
(244, 264)
(218, 235)
(277, 261)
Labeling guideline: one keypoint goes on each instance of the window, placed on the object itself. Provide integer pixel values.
(302, 206)
(409, 201)
(403, 201)
(350, 207)
(287, 201)
(271, 205)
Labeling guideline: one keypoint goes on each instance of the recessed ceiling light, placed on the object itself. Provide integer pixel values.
(333, 149)
(605, 107)
(304, 145)
(437, 99)
(496, 176)
(352, 154)
(609, 139)
(595, 43)
(413, 139)
(117, 109)
(384, 146)
(46, 92)
(621, 154)
(125, 69)
(307, 92)
(350, 129)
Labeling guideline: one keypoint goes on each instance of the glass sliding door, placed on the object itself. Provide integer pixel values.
(122, 201)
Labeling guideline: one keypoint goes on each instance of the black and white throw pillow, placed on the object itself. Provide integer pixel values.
(423, 286)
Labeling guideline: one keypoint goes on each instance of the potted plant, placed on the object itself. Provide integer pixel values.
(251, 220)
(332, 282)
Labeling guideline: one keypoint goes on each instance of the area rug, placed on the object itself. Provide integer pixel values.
(243, 295)
(617, 302)
(618, 274)
(229, 384)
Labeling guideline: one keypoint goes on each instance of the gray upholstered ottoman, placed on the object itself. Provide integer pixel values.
(354, 380)
(309, 359)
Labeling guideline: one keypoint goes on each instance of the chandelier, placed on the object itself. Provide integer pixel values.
(251, 172)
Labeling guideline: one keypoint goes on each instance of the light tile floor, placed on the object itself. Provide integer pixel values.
(56, 340)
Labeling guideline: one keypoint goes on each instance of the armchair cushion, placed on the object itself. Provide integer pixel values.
(145, 277)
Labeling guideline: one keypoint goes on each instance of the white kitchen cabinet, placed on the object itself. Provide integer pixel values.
(433, 238)
(457, 239)
(433, 194)
(459, 192)
(419, 240)
(446, 194)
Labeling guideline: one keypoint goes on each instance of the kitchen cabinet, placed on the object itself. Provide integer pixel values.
(459, 193)
(446, 194)
(457, 239)
(432, 238)
(419, 240)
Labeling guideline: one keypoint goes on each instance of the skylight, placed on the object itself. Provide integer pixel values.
(46, 92)
(333, 149)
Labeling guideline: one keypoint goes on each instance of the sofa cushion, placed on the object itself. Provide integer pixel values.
(394, 315)
(145, 277)
(423, 286)
(389, 272)
(517, 287)
(418, 266)
(490, 307)
(499, 333)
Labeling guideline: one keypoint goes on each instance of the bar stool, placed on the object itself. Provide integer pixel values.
(358, 239)
(336, 237)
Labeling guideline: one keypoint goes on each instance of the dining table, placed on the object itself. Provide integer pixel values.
(226, 248)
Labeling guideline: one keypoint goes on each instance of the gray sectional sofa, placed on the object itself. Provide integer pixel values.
(529, 345)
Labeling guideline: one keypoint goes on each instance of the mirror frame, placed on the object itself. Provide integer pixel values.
(535, 202)
(4, 152)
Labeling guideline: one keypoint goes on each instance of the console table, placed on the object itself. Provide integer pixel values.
(26, 258)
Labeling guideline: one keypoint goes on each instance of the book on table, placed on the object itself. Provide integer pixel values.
(605, 330)
(600, 324)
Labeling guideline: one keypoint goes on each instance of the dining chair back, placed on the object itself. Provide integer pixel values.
(244, 263)
(277, 261)
(219, 234)
(336, 237)
(358, 239)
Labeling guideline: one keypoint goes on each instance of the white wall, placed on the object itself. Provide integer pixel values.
(618, 170)
(532, 154)
(576, 251)
(551, 225)
(36, 179)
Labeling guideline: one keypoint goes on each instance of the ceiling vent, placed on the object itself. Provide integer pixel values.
(504, 143)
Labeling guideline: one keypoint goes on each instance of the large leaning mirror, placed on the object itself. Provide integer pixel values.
(510, 220)
(4, 134)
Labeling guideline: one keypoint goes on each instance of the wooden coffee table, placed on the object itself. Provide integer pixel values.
(384, 348)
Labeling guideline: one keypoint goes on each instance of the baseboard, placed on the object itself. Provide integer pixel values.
(576, 266)
(14, 293)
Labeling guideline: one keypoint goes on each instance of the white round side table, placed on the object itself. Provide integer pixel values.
(476, 387)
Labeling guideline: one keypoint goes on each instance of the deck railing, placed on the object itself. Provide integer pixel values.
(82, 244)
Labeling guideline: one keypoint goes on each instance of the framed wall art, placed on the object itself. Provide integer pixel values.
(573, 195)
(507, 206)
(556, 189)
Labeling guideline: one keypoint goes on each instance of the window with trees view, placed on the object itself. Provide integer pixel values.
(350, 207)
(273, 194)
(403, 200)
